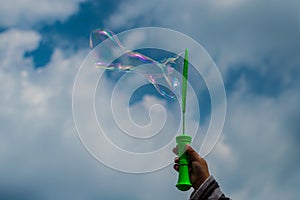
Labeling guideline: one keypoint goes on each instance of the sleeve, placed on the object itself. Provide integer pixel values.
(209, 190)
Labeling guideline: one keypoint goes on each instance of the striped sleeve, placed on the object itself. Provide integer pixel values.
(209, 190)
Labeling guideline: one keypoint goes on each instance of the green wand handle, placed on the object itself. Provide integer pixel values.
(184, 182)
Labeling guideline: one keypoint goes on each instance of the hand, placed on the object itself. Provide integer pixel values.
(197, 166)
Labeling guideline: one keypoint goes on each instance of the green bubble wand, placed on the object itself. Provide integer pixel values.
(184, 182)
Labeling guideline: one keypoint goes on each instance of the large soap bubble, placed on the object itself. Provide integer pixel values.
(137, 136)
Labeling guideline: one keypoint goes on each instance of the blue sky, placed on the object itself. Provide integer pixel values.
(254, 43)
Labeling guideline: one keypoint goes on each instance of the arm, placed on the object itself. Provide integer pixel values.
(209, 190)
(205, 186)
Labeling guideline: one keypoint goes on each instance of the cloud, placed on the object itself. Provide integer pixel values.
(35, 114)
(26, 13)
(257, 154)
(15, 46)
(234, 33)
(257, 41)
(258, 147)
(39, 148)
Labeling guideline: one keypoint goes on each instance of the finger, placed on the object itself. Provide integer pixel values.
(176, 160)
(193, 155)
(175, 150)
(176, 167)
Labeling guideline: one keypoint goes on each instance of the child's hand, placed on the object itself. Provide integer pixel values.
(197, 166)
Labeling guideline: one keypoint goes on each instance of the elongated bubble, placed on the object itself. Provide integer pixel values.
(133, 61)
(116, 118)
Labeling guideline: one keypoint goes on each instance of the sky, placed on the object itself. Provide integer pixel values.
(255, 45)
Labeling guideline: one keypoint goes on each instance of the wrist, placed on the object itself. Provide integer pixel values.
(200, 182)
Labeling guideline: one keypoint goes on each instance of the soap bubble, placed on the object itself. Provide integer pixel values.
(131, 61)
(137, 136)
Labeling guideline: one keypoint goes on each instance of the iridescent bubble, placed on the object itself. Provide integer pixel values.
(114, 130)
(133, 61)
(98, 35)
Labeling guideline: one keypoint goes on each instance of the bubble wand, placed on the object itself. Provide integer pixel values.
(184, 182)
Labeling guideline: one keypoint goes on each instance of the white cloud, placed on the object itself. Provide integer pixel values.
(257, 155)
(35, 111)
(259, 145)
(39, 147)
(14, 44)
(233, 32)
(26, 13)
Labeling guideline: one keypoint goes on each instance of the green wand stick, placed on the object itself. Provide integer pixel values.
(184, 182)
